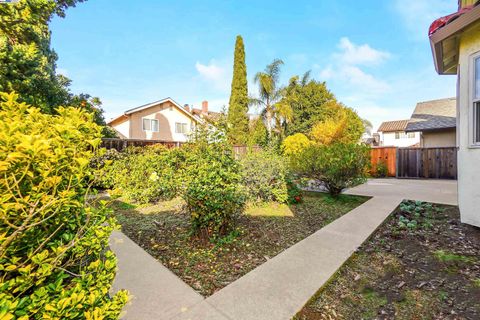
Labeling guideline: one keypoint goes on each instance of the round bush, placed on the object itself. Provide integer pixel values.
(264, 175)
(211, 188)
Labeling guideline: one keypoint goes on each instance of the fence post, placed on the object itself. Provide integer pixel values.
(396, 162)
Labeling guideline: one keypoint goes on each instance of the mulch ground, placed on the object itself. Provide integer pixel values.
(423, 269)
(262, 233)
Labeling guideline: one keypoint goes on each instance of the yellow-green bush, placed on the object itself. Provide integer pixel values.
(53, 258)
(295, 144)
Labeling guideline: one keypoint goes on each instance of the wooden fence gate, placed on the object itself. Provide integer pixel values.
(432, 163)
(385, 155)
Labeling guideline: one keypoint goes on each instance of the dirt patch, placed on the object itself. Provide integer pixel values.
(421, 264)
(262, 233)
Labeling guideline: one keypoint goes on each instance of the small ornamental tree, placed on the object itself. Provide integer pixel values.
(54, 261)
(338, 165)
(343, 126)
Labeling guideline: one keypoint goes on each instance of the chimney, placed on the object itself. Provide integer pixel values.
(187, 107)
(205, 107)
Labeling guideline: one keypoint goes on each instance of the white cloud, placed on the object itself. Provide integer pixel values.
(214, 73)
(360, 54)
(345, 67)
(417, 15)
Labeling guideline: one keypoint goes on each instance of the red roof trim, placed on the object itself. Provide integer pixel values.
(443, 21)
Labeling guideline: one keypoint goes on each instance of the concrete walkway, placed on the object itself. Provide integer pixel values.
(280, 287)
(156, 292)
(436, 191)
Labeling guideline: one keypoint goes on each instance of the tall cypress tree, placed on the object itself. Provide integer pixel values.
(238, 105)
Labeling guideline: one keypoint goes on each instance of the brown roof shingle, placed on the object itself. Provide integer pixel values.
(393, 126)
(434, 115)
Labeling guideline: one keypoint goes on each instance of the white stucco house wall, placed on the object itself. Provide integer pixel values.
(455, 42)
(392, 134)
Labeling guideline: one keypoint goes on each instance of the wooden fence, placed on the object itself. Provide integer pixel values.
(385, 155)
(430, 163)
(120, 144)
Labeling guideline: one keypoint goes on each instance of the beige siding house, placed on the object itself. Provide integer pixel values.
(455, 42)
(436, 121)
(163, 120)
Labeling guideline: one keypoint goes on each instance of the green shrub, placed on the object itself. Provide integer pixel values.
(53, 258)
(381, 170)
(211, 188)
(295, 194)
(147, 174)
(338, 165)
(102, 163)
(264, 175)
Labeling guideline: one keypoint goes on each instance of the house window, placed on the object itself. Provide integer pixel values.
(476, 122)
(150, 125)
(404, 135)
(476, 101)
(181, 127)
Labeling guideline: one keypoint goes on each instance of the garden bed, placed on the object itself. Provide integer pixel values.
(261, 233)
(424, 267)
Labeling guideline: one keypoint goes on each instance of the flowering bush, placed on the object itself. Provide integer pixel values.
(54, 262)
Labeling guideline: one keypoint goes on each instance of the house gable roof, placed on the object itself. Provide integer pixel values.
(434, 115)
(153, 104)
(393, 126)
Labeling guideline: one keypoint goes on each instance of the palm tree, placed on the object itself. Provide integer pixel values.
(274, 113)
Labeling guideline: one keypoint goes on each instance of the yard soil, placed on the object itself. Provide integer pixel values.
(426, 273)
(163, 230)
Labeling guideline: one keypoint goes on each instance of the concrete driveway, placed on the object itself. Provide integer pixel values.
(436, 191)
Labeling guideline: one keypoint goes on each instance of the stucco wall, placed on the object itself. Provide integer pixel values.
(387, 139)
(468, 156)
(123, 127)
(434, 139)
(167, 115)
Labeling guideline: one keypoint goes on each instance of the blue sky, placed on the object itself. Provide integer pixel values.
(374, 55)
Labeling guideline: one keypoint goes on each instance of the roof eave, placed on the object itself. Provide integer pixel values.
(176, 104)
(429, 129)
(451, 31)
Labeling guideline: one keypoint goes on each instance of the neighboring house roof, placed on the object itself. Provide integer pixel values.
(393, 126)
(213, 115)
(444, 33)
(153, 104)
(434, 115)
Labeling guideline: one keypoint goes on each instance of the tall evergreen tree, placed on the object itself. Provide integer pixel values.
(238, 129)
